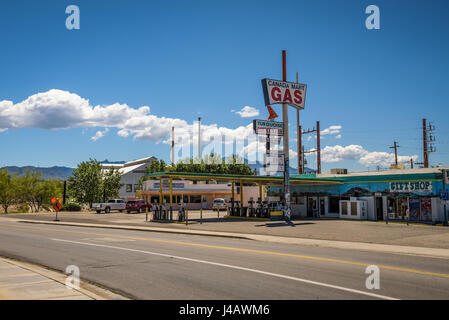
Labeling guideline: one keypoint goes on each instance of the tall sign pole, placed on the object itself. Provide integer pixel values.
(298, 134)
(285, 143)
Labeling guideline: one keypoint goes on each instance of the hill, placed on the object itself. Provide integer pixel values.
(60, 173)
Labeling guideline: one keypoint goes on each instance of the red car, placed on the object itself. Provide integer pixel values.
(137, 205)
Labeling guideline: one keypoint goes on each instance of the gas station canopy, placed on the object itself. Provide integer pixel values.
(266, 180)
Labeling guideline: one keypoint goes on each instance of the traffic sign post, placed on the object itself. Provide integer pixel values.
(57, 206)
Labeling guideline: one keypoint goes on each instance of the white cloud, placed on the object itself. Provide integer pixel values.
(338, 136)
(58, 109)
(99, 134)
(331, 130)
(358, 153)
(384, 159)
(338, 153)
(248, 112)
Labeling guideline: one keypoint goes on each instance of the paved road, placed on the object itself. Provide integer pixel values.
(150, 265)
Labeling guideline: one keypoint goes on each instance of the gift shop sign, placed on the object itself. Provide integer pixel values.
(411, 186)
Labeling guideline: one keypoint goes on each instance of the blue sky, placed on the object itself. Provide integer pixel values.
(185, 59)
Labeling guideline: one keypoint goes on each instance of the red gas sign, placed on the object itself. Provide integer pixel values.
(291, 93)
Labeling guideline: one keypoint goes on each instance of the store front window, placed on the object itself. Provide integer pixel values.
(397, 208)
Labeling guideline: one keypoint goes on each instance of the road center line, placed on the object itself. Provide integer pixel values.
(234, 267)
(293, 255)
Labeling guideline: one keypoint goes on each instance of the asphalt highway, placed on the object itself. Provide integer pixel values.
(153, 265)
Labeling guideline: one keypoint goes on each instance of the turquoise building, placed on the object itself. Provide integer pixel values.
(398, 194)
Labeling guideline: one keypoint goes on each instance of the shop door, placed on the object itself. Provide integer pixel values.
(379, 209)
(322, 211)
(311, 207)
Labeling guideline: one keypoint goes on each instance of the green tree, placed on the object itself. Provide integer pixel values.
(89, 183)
(45, 191)
(8, 189)
(111, 183)
(28, 188)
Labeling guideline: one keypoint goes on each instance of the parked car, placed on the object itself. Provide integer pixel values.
(113, 204)
(219, 202)
(137, 205)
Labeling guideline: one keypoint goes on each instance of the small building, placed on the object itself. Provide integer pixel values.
(198, 190)
(195, 194)
(131, 172)
(378, 195)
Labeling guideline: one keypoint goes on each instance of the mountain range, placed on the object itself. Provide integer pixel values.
(62, 173)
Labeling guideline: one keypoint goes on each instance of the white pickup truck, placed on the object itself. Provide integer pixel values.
(113, 204)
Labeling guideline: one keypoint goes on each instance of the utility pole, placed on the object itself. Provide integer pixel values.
(303, 160)
(318, 146)
(65, 192)
(300, 149)
(424, 139)
(199, 138)
(172, 146)
(427, 139)
(395, 147)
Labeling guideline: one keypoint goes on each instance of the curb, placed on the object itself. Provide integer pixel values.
(148, 229)
(346, 245)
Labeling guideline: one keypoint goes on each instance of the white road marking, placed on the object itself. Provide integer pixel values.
(235, 267)
(108, 239)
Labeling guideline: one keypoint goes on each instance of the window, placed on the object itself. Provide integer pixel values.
(353, 208)
(195, 199)
(344, 208)
(137, 187)
(185, 199)
(155, 199)
(129, 188)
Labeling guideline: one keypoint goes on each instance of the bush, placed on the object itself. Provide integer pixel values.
(71, 207)
(24, 208)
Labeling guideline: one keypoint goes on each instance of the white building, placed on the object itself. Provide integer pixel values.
(131, 172)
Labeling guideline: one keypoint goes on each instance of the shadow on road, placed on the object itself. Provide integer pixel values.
(283, 224)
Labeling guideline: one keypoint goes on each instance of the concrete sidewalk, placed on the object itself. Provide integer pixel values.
(24, 281)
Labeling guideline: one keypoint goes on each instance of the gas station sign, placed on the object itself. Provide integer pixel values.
(278, 92)
(274, 162)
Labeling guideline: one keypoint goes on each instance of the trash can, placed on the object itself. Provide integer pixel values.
(244, 211)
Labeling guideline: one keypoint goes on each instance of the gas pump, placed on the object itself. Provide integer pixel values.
(252, 211)
(181, 212)
(156, 211)
(259, 208)
(237, 209)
